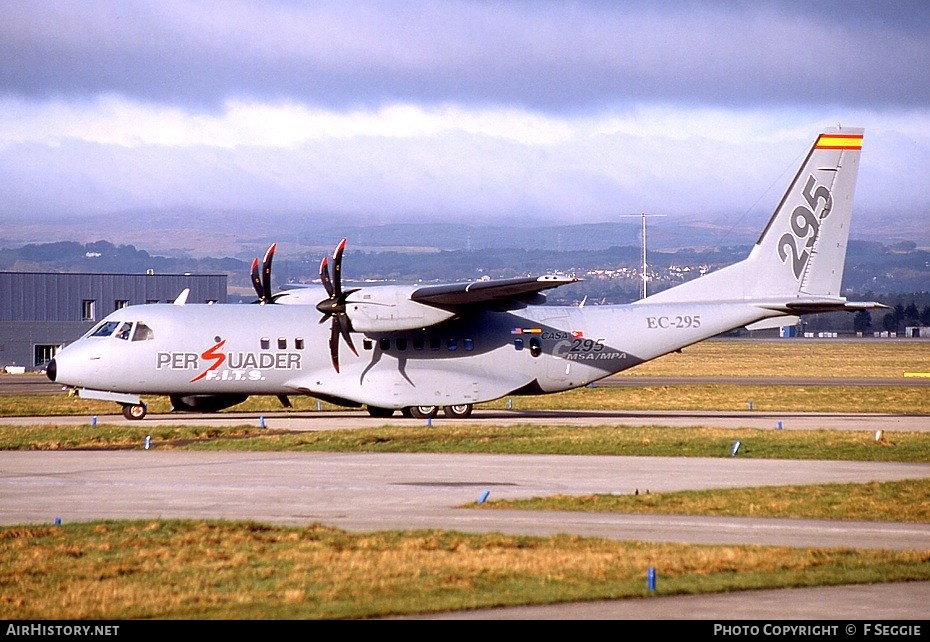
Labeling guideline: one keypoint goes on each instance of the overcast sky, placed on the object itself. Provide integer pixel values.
(467, 111)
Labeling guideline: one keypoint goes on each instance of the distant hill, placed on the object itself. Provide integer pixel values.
(244, 235)
(611, 273)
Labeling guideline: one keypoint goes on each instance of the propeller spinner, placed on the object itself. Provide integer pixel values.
(334, 307)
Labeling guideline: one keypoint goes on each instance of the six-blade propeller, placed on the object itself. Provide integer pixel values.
(334, 306)
(262, 282)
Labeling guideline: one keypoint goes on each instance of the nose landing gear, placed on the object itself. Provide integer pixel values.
(134, 411)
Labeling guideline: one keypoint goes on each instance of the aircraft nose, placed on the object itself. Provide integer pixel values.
(52, 370)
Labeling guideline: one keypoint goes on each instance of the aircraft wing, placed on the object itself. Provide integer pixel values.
(395, 308)
(519, 290)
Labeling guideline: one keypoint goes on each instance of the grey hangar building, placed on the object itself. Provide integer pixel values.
(42, 312)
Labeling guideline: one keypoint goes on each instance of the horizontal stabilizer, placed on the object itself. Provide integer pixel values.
(815, 306)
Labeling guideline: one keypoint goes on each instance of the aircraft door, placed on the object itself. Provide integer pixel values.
(557, 343)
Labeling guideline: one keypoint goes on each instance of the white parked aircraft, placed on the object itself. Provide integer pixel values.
(422, 348)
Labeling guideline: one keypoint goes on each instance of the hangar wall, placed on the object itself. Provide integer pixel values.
(41, 312)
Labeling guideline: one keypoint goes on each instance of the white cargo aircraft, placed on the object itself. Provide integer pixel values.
(421, 348)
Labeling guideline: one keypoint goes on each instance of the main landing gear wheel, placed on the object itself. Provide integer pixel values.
(424, 412)
(134, 411)
(458, 411)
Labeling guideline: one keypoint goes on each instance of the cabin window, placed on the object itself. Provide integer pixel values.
(535, 347)
(452, 344)
(367, 344)
(435, 343)
(385, 344)
(468, 344)
(401, 343)
(265, 343)
(299, 343)
(282, 343)
(418, 343)
(143, 333)
(518, 344)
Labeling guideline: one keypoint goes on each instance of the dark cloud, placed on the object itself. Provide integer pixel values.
(560, 110)
(548, 55)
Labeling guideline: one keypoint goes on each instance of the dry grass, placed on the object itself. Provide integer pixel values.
(721, 397)
(867, 358)
(209, 570)
(903, 501)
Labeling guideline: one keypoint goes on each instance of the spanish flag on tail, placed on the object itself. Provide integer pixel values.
(840, 141)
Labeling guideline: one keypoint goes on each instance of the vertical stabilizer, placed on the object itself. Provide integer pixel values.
(801, 253)
(802, 250)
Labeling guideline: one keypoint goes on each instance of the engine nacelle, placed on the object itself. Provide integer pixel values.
(389, 309)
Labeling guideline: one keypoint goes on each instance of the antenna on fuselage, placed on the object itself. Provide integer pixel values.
(643, 215)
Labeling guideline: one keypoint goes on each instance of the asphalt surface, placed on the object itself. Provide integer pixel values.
(347, 420)
(364, 492)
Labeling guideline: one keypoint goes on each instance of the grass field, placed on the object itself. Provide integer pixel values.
(220, 570)
(837, 358)
(235, 570)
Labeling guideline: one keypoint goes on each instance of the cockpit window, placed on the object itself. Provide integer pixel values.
(124, 330)
(105, 329)
(143, 333)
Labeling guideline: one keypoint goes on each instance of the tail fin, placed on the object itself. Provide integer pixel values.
(797, 263)
(802, 250)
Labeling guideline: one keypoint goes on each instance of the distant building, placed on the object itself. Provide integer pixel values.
(788, 331)
(917, 331)
(41, 312)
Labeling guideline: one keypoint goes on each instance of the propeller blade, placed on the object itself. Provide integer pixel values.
(337, 268)
(334, 345)
(325, 278)
(256, 280)
(266, 274)
(343, 322)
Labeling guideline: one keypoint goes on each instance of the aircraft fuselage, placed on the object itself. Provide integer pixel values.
(282, 350)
